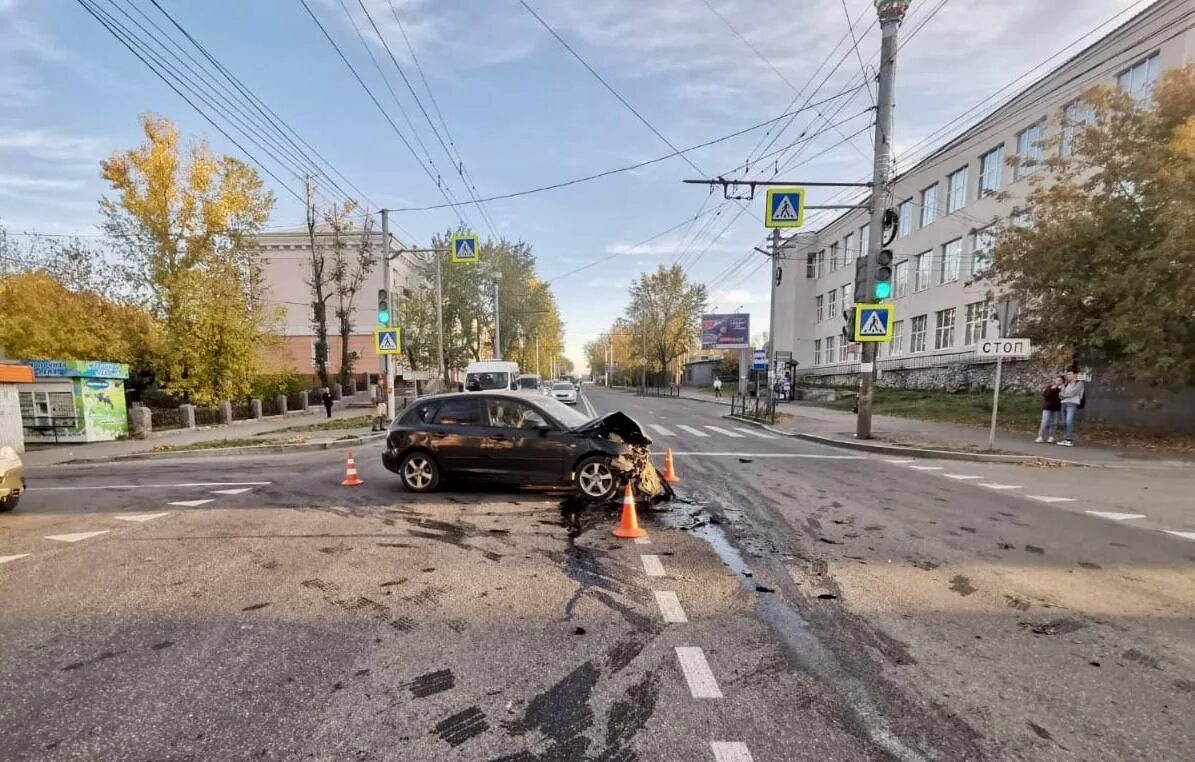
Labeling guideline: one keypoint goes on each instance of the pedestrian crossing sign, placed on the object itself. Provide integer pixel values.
(873, 322)
(465, 249)
(786, 208)
(387, 341)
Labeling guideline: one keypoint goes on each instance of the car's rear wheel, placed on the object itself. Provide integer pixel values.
(8, 503)
(419, 473)
(595, 479)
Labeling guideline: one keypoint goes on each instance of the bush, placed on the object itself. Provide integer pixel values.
(267, 386)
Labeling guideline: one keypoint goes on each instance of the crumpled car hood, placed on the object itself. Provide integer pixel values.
(626, 427)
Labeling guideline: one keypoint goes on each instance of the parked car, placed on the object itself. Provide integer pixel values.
(529, 382)
(565, 392)
(518, 439)
(486, 375)
(12, 478)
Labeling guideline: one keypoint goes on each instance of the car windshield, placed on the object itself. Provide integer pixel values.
(562, 385)
(488, 380)
(563, 413)
(527, 382)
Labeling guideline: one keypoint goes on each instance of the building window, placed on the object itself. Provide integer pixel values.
(842, 351)
(1138, 80)
(956, 190)
(944, 329)
(864, 239)
(905, 210)
(817, 351)
(811, 265)
(917, 333)
(832, 301)
(834, 263)
(1076, 117)
(821, 263)
(830, 349)
(848, 248)
(821, 305)
(976, 327)
(900, 275)
(952, 260)
(925, 261)
(929, 205)
(897, 347)
(991, 171)
(982, 242)
(1029, 150)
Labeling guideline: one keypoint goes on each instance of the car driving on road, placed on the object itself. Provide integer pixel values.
(565, 392)
(12, 478)
(517, 439)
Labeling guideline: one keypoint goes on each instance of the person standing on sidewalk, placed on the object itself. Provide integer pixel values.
(1071, 397)
(717, 388)
(326, 398)
(1050, 409)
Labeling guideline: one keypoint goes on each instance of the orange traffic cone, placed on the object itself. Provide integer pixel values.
(670, 469)
(629, 528)
(350, 473)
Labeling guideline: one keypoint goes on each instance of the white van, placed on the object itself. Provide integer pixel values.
(488, 375)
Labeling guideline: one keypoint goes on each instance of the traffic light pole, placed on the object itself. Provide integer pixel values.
(891, 14)
(387, 366)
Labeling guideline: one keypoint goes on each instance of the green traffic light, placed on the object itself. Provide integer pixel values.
(383, 317)
(883, 290)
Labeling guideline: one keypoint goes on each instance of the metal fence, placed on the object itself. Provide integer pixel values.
(659, 391)
(241, 411)
(270, 406)
(760, 408)
(163, 418)
(207, 416)
(294, 401)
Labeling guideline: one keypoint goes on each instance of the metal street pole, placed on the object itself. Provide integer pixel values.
(497, 324)
(891, 13)
(772, 306)
(537, 353)
(440, 321)
(606, 366)
(387, 366)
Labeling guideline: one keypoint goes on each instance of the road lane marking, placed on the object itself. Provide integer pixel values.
(724, 432)
(652, 566)
(693, 431)
(643, 541)
(753, 433)
(670, 607)
(75, 536)
(141, 517)
(1115, 516)
(1184, 535)
(192, 503)
(899, 461)
(927, 468)
(767, 455)
(239, 491)
(6, 559)
(730, 751)
(697, 672)
(1048, 499)
(962, 477)
(995, 485)
(662, 430)
(151, 486)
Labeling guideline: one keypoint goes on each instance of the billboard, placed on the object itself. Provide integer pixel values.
(726, 331)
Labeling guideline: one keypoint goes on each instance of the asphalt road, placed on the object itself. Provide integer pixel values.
(797, 602)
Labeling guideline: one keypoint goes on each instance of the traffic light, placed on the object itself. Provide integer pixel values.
(883, 274)
(383, 307)
(861, 295)
(848, 324)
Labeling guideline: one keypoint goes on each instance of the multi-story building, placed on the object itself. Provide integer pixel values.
(949, 204)
(286, 259)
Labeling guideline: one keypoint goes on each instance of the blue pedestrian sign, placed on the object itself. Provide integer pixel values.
(786, 208)
(387, 341)
(759, 359)
(465, 249)
(873, 322)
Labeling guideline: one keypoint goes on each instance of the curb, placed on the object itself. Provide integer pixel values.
(919, 452)
(214, 452)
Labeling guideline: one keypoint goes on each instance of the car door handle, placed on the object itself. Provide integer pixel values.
(439, 434)
(498, 437)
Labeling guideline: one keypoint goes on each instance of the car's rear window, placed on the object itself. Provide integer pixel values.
(487, 380)
(421, 413)
(528, 383)
(562, 385)
(462, 411)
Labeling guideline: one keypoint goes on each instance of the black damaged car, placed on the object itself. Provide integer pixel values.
(520, 440)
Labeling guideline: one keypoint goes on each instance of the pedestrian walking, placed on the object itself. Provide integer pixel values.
(1051, 409)
(717, 388)
(1073, 397)
(326, 398)
(380, 416)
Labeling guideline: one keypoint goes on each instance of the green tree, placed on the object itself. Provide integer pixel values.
(1102, 260)
(665, 310)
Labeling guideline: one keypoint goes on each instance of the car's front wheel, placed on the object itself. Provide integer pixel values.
(595, 479)
(8, 503)
(419, 473)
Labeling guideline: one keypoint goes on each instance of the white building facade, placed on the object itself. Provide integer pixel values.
(948, 205)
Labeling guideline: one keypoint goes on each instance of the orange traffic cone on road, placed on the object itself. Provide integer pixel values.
(629, 527)
(669, 468)
(350, 473)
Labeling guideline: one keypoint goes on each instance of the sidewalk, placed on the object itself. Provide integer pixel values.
(49, 455)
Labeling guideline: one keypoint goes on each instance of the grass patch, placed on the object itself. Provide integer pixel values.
(334, 424)
(219, 444)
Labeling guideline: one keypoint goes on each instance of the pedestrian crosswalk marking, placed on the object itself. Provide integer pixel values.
(962, 477)
(1184, 535)
(6, 559)
(993, 485)
(191, 503)
(662, 430)
(727, 432)
(141, 517)
(1116, 516)
(240, 491)
(693, 431)
(759, 434)
(75, 536)
(1048, 499)
(730, 751)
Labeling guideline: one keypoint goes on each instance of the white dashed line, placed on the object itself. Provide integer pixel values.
(697, 672)
(6, 559)
(1184, 535)
(724, 432)
(240, 491)
(994, 485)
(730, 751)
(662, 431)
(1048, 499)
(670, 607)
(1115, 516)
(192, 503)
(75, 536)
(652, 566)
(961, 477)
(150, 486)
(693, 431)
(899, 461)
(926, 468)
(643, 541)
(141, 517)
(750, 432)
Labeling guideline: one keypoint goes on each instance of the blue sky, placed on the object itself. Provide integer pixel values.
(522, 112)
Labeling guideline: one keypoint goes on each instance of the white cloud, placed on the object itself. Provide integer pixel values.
(24, 182)
(728, 300)
(50, 145)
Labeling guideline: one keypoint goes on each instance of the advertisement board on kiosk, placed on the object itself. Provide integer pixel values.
(726, 331)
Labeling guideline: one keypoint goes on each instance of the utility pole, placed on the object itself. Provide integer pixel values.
(443, 367)
(774, 254)
(537, 353)
(387, 366)
(497, 322)
(891, 13)
(643, 370)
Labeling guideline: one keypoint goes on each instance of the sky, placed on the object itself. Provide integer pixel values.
(519, 111)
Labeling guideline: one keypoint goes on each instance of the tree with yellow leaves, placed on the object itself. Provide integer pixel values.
(185, 221)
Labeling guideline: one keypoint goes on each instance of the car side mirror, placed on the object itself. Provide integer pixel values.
(543, 429)
(514, 387)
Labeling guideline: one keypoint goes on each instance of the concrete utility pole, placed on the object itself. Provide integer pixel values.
(497, 323)
(775, 255)
(440, 320)
(387, 366)
(891, 13)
